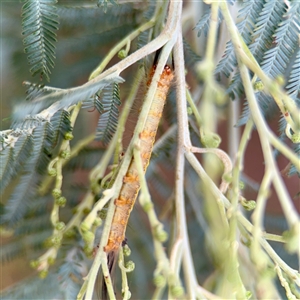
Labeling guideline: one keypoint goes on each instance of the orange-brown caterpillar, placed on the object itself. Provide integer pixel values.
(131, 185)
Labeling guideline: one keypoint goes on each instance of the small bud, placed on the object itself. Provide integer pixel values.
(248, 204)
(248, 295)
(130, 266)
(177, 291)
(84, 227)
(61, 201)
(126, 250)
(258, 86)
(65, 154)
(128, 295)
(97, 222)
(56, 193)
(68, 136)
(189, 111)
(161, 234)
(88, 237)
(34, 264)
(88, 251)
(210, 140)
(52, 172)
(51, 261)
(159, 281)
(70, 233)
(147, 206)
(122, 54)
(280, 80)
(43, 274)
(241, 185)
(60, 226)
(56, 241)
(227, 177)
(292, 238)
(295, 138)
(86, 211)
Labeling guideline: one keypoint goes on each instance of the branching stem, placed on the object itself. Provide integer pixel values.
(257, 117)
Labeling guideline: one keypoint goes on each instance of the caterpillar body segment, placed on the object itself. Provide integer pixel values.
(131, 184)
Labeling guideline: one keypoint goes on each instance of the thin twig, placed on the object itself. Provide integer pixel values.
(167, 36)
(119, 46)
(183, 141)
(293, 274)
(223, 156)
(260, 123)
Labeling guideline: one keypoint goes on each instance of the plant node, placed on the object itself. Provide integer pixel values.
(61, 201)
(159, 281)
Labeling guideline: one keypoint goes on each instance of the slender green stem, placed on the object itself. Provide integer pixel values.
(125, 287)
(232, 263)
(212, 34)
(293, 274)
(224, 184)
(274, 237)
(257, 217)
(163, 264)
(194, 108)
(168, 34)
(286, 151)
(285, 103)
(183, 140)
(85, 204)
(44, 187)
(225, 160)
(82, 291)
(262, 127)
(99, 170)
(176, 255)
(125, 42)
(285, 284)
(58, 227)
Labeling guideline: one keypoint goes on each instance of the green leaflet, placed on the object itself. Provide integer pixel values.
(39, 23)
(35, 165)
(286, 36)
(108, 121)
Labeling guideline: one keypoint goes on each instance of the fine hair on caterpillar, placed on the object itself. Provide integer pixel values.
(130, 188)
(145, 80)
(124, 202)
(135, 109)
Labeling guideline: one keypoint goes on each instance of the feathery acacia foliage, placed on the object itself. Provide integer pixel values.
(247, 18)
(262, 25)
(108, 121)
(69, 146)
(35, 165)
(270, 17)
(14, 154)
(203, 24)
(287, 41)
(39, 22)
(61, 99)
(293, 86)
